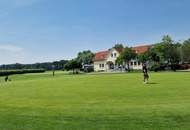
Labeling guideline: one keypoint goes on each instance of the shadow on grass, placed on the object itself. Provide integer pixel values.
(152, 83)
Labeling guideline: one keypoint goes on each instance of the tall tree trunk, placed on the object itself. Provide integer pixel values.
(128, 66)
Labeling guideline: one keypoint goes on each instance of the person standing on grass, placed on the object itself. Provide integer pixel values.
(53, 69)
(145, 72)
(6, 78)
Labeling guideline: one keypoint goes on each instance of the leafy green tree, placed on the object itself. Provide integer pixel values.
(143, 57)
(127, 55)
(167, 39)
(73, 65)
(166, 48)
(174, 54)
(154, 55)
(119, 60)
(186, 51)
(161, 51)
(165, 52)
(169, 50)
(119, 45)
(85, 57)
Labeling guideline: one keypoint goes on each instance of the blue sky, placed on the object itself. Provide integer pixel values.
(47, 30)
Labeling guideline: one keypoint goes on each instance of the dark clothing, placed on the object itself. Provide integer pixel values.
(6, 78)
(145, 69)
(145, 72)
(146, 75)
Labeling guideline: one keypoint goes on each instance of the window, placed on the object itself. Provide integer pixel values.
(111, 54)
(135, 63)
(115, 54)
(139, 63)
(102, 65)
(131, 63)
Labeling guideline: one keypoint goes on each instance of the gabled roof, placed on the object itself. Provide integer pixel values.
(101, 55)
(120, 50)
(142, 49)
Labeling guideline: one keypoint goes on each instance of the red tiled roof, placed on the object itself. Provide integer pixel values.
(101, 55)
(120, 50)
(141, 49)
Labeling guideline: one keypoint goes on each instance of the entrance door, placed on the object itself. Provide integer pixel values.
(110, 65)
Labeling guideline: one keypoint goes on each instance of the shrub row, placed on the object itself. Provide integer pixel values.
(23, 71)
(174, 67)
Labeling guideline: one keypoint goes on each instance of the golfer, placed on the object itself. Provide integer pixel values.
(6, 78)
(145, 72)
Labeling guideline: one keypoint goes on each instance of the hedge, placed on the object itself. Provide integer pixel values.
(23, 71)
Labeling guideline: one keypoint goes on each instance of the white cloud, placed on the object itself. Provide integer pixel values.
(10, 48)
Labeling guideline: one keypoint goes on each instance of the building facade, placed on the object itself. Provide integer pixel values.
(106, 60)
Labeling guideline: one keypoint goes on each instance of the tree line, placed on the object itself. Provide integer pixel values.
(21, 71)
(166, 54)
(57, 65)
(83, 58)
(162, 55)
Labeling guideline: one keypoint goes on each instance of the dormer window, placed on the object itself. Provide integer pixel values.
(111, 54)
(115, 54)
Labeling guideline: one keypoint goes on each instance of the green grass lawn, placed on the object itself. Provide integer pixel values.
(96, 102)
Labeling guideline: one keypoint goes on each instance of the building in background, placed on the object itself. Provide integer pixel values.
(106, 60)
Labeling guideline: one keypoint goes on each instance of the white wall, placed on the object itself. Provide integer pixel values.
(97, 66)
(137, 66)
(113, 59)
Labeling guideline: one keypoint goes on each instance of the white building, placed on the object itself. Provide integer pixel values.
(106, 60)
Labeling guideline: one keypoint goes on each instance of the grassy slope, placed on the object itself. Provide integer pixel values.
(115, 101)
